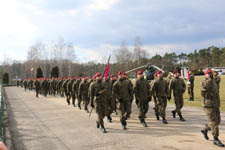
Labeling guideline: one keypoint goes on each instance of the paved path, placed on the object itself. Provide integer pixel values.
(49, 124)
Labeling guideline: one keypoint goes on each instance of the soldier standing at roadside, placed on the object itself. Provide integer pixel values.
(211, 104)
(190, 84)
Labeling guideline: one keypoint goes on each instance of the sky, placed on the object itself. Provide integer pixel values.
(97, 27)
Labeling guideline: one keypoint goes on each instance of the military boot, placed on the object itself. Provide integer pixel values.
(217, 142)
(205, 133)
(86, 110)
(124, 124)
(74, 105)
(164, 121)
(181, 117)
(156, 114)
(68, 102)
(97, 124)
(174, 113)
(79, 107)
(103, 128)
(109, 118)
(143, 123)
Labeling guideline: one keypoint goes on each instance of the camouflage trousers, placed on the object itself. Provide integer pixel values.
(213, 115)
(125, 110)
(110, 105)
(143, 107)
(162, 103)
(85, 99)
(179, 103)
(191, 92)
(100, 109)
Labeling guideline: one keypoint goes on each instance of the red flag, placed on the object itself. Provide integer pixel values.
(188, 74)
(107, 70)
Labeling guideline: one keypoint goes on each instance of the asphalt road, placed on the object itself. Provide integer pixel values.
(50, 124)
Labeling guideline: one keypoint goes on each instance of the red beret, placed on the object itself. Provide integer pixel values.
(158, 72)
(208, 71)
(140, 72)
(98, 74)
(175, 71)
(120, 73)
(155, 75)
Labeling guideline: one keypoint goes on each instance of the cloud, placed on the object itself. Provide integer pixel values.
(99, 26)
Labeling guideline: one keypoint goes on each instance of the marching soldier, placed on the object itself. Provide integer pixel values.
(177, 85)
(131, 97)
(156, 108)
(113, 80)
(76, 88)
(83, 92)
(37, 86)
(160, 90)
(110, 105)
(98, 100)
(123, 93)
(142, 95)
(211, 104)
(66, 92)
(190, 84)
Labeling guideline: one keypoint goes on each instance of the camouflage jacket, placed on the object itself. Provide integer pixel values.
(122, 90)
(141, 89)
(160, 88)
(210, 93)
(178, 86)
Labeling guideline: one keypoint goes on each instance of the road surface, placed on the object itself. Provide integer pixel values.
(50, 124)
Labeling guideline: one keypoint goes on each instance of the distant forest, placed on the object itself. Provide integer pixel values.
(63, 55)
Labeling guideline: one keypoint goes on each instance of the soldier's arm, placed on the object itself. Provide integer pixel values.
(92, 93)
(115, 91)
(80, 89)
(136, 90)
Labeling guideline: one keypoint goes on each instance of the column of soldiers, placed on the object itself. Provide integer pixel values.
(117, 94)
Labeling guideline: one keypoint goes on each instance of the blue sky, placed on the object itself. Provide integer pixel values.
(97, 27)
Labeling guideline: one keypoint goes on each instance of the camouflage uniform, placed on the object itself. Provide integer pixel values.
(45, 86)
(191, 87)
(25, 84)
(217, 79)
(97, 94)
(160, 90)
(110, 105)
(83, 93)
(37, 87)
(123, 93)
(64, 86)
(178, 86)
(76, 88)
(211, 104)
(156, 108)
(142, 95)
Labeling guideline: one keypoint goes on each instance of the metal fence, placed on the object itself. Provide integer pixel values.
(2, 131)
